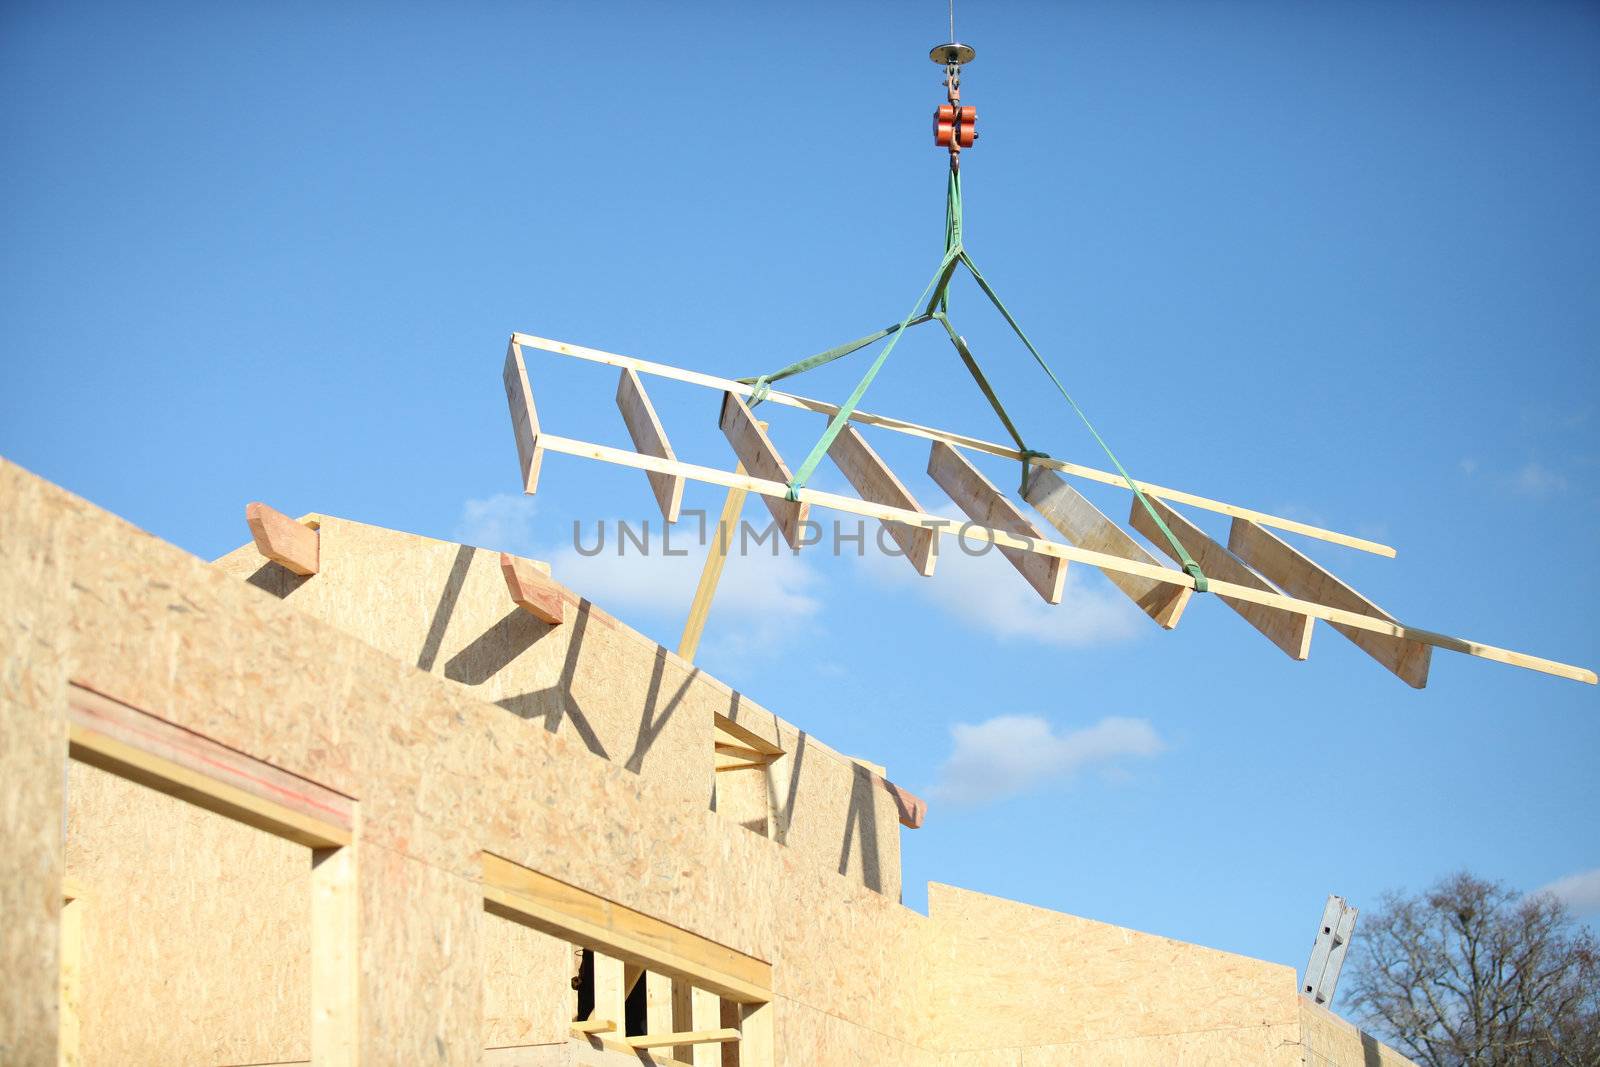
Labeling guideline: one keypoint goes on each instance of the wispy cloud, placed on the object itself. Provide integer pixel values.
(503, 522)
(987, 592)
(1533, 479)
(1010, 754)
(1580, 892)
(1536, 480)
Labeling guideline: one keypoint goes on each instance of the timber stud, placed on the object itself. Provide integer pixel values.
(955, 126)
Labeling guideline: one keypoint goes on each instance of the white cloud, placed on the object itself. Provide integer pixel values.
(1468, 466)
(503, 522)
(986, 591)
(1008, 754)
(1536, 480)
(760, 598)
(1580, 892)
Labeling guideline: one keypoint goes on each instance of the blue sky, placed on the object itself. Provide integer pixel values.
(1338, 262)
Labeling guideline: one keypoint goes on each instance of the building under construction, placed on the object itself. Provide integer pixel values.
(422, 803)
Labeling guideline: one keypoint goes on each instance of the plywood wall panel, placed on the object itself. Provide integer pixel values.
(196, 930)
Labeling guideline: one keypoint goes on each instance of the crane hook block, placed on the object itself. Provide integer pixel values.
(955, 124)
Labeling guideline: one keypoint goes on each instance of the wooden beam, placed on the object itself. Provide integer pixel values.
(756, 454)
(912, 809)
(282, 540)
(532, 591)
(136, 745)
(524, 416)
(693, 1037)
(731, 732)
(986, 505)
(650, 438)
(1300, 577)
(1077, 470)
(1085, 526)
(1289, 630)
(584, 1027)
(874, 480)
(705, 591)
(977, 532)
(565, 911)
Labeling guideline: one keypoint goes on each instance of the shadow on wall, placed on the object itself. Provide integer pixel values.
(859, 816)
(483, 659)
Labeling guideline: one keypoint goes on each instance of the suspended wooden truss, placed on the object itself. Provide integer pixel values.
(1273, 586)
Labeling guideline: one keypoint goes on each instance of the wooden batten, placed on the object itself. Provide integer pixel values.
(1288, 630)
(1300, 577)
(873, 479)
(1083, 524)
(532, 591)
(524, 417)
(761, 459)
(987, 506)
(283, 540)
(722, 1035)
(650, 438)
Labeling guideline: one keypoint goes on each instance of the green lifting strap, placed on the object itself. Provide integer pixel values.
(763, 382)
(842, 416)
(1190, 567)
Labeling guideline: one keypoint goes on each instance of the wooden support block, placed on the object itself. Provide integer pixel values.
(1288, 630)
(912, 808)
(532, 591)
(986, 506)
(282, 540)
(755, 452)
(524, 417)
(1300, 577)
(1083, 524)
(693, 1037)
(610, 990)
(874, 480)
(650, 438)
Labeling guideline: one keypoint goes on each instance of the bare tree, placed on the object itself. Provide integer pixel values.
(1472, 974)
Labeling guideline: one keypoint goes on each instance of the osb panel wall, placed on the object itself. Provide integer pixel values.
(444, 608)
(527, 984)
(33, 627)
(1010, 976)
(1329, 1041)
(196, 930)
(437, 774)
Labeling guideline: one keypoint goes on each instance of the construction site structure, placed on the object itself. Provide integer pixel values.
(351, 795)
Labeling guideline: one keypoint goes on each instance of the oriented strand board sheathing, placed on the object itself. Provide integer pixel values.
(196, 930)
(33, 625)
(1012, 975)
(596, 680)
(1329, 1041)
(527, 984)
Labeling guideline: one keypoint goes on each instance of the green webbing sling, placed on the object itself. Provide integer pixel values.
(936, 307)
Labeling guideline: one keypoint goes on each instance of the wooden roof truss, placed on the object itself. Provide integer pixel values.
(1274, 587)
